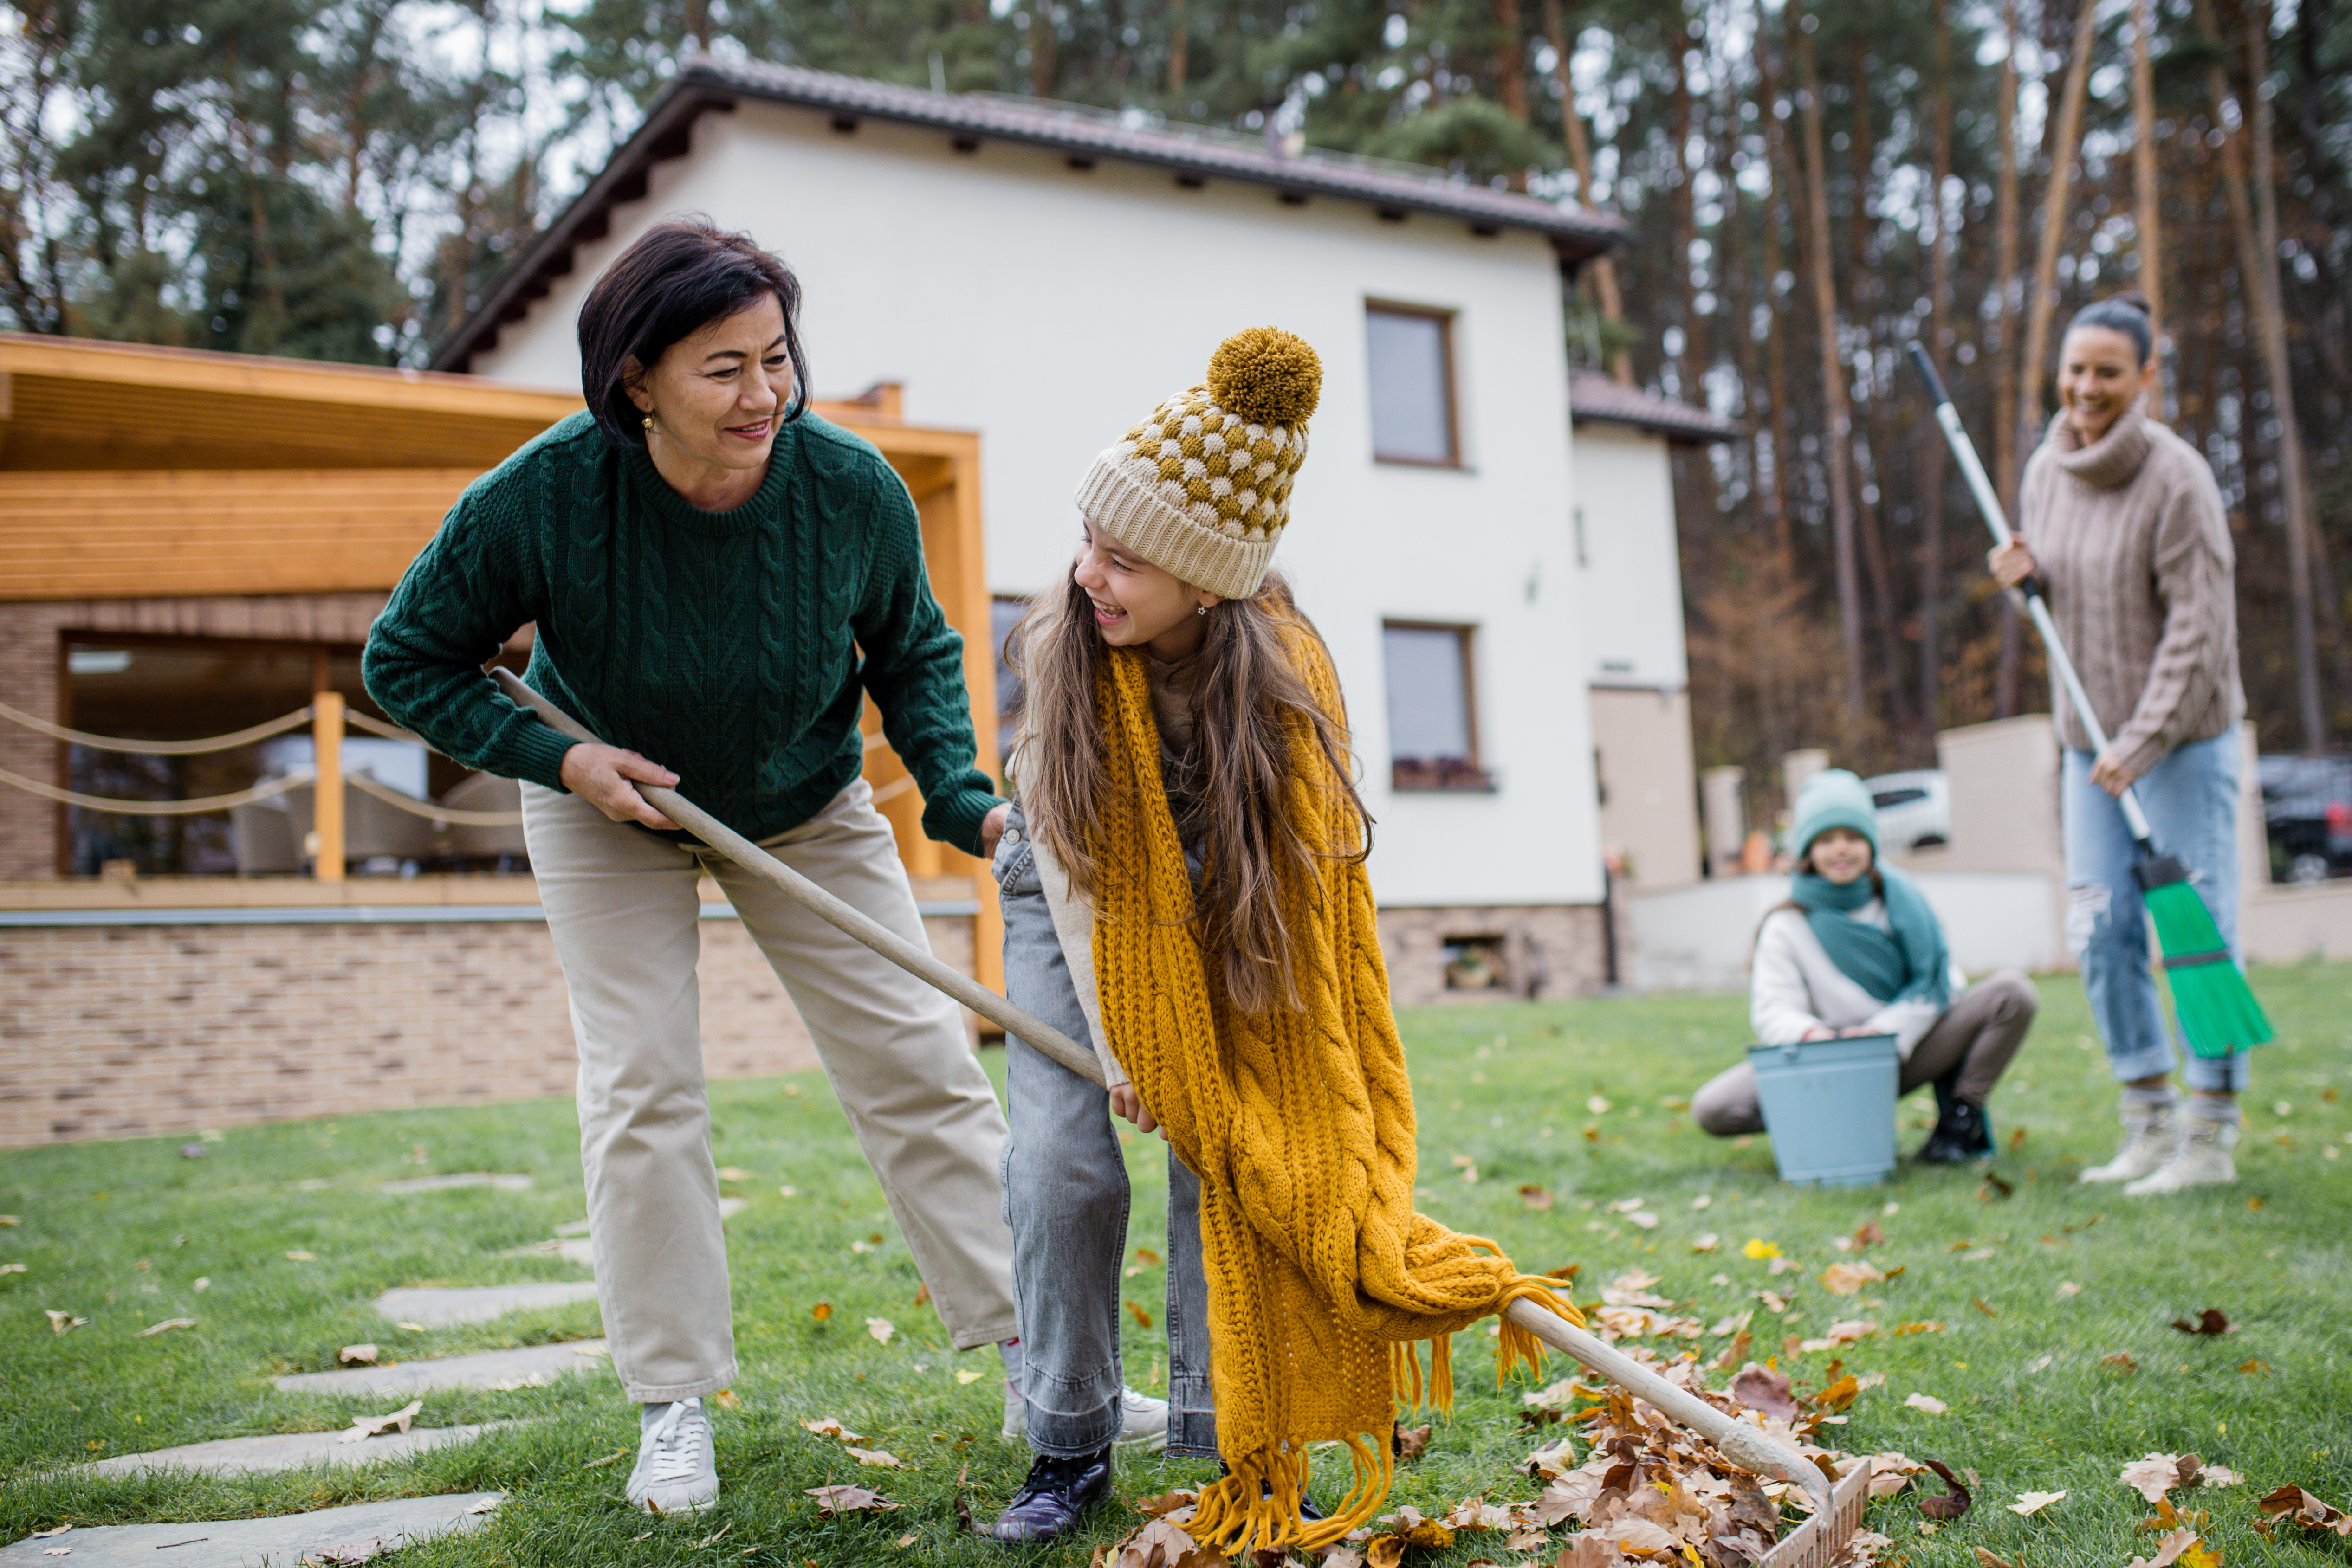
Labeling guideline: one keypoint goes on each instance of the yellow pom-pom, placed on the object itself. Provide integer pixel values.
(1266, 375)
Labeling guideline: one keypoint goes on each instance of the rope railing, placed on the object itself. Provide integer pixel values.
(278, 725)
(438, 815)
(389, 731)
(196, 808)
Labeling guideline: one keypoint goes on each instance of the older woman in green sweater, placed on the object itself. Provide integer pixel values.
(2122, 522)
(718, 580)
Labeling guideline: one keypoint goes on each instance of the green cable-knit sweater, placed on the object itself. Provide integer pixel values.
(724, 645)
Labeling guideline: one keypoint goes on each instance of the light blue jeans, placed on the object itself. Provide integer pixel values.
(1066, 1197)
(2190, 797)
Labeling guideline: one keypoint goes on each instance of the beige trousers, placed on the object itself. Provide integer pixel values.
(623, 908)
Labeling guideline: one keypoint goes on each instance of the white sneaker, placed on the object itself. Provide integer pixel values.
(2151, 1137)
(677, 1471)
(2203, 1159)
(1142, 1421)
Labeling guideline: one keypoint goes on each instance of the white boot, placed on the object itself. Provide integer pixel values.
(2151, 1136)
(2202, 1160)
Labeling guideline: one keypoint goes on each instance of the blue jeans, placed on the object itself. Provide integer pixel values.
(1066, 1197)
(2190, 797)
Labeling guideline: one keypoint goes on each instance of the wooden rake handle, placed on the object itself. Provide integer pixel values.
(1742, 1444)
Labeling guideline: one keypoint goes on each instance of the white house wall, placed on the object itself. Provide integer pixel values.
(1633, 597)
(1051, 309)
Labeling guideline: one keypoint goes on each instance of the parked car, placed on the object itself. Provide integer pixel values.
(1914, 809)
(2307, 816)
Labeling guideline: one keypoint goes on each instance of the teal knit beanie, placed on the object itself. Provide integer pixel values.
(1834, 798)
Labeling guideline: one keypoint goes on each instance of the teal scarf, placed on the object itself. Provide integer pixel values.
(1908, 964)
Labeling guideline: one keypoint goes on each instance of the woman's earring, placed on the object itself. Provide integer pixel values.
(1200, 609)
(649, 425)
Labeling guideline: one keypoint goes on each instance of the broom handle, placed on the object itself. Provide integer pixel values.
(1989, 506)
(1744, 1444)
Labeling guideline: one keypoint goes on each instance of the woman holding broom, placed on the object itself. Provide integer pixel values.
(719, 579)
(1184, 879)
(2122, 523)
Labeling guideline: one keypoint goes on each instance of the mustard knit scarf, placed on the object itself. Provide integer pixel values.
(1299, 1123)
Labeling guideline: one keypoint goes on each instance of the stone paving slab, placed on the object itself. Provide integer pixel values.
(504, 1183)
(286, 1451)
(254, 1543)
(485, 1369)
(437, 1304)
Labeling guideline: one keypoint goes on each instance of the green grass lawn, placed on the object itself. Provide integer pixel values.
(121, 1234)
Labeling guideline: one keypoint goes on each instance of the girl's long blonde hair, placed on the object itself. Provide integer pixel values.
(1252, 699)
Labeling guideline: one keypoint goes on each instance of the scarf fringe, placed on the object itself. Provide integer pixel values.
(1256, 1507)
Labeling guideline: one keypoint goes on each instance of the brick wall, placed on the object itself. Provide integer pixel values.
(31, 666)
(1546, 950)
(129, 1031)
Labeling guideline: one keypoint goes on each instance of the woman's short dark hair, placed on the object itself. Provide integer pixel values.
(2125, 313)
(678, 277)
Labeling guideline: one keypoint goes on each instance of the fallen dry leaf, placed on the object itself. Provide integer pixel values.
(1986, 1559)
(12, 1267)
(880, 1329)
(2299, 1507)
(1930, 1326)
(2208, 1321)
(366, 1427)
(822, 1310)
(2158, 1473)
(355, 1356)
(1408, 1443)
(1839, 1395)
(1764, 1390)
(727, 1399)
(1758, 1248)
(166, 1326)
(2182, 1546)
(2068, 1288)
(298, 1256)
(2120, 1361)
(1136, 1310)
(881, 1458)
(968, 1378)
(1848, 1279)
(1927, 1401)
(849, 1499)
(2028, 1504)
(1707, 1242)
(63, 1322)
(1535, 1197)
(733, 1173)
(826, 1426)
(1167, 1503)
(1947, 1506)
(1995, 1188)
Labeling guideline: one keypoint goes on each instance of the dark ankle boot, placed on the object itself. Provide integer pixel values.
(1963, 1132)
(1056, 1495)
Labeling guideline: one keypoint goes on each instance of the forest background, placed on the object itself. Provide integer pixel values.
(1808, 191)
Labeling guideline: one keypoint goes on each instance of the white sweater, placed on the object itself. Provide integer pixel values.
(1793, 986)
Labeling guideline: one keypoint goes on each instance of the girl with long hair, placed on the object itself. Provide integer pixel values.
(1183, 882)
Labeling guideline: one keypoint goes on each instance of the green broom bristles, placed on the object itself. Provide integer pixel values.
(2217, 1008)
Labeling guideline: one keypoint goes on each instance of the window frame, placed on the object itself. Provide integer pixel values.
(1445, 344)
(1477, 778)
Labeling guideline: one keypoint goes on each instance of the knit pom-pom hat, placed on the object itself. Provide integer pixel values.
(1202, 487)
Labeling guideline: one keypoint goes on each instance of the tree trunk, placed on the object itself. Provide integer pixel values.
(1865, 148)
(1601, 269)
(2147, 203)
(2299, 529)
(1776, 343)
(1511, 62)
(1690, 364)
(1179, 53)
(1939, 311)
(2005, 464)
(2064, 146)
(1839, 435)
(1041, 48)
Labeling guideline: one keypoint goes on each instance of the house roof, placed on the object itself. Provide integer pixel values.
(1595, 397)
(1192, 154)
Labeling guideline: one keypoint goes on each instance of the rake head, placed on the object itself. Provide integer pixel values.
(1817, 1542)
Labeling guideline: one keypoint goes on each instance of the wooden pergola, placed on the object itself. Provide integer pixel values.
(136, 473)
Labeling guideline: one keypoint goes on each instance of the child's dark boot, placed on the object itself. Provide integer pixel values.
(1056, 1495)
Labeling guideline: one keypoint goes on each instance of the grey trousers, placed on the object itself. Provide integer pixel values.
(1979, 1034)
(623, 908)
(1066, 1197)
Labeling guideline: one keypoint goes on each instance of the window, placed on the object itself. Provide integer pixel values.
(1412, 368)
(1433, 719)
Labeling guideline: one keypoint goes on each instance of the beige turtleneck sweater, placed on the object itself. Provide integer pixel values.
(2130, 538)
